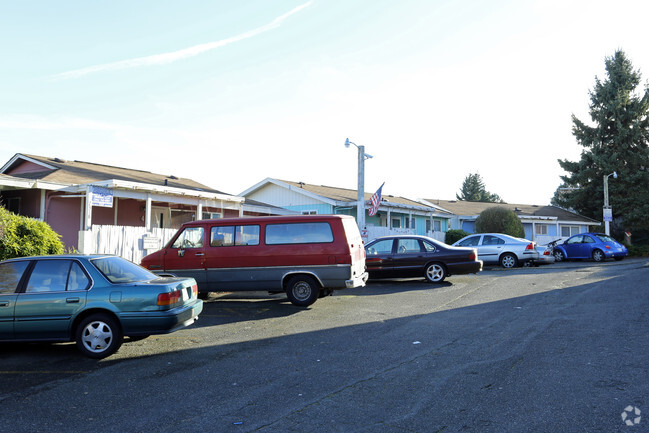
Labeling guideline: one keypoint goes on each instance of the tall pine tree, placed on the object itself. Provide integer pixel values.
(473, 189)
(616, 141)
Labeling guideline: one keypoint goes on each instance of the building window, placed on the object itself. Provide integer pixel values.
(567, 231)
(541, 229)
(211, 215)
(396, 223)
(428, 225)
(309, 212)
(437, 225)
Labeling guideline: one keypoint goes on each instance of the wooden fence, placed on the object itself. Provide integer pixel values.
(132, 243)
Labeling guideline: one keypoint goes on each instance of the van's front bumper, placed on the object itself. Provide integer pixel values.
(358, 281)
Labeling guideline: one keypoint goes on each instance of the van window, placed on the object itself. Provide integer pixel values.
(227, 236)
(298, 233)
(191, 237)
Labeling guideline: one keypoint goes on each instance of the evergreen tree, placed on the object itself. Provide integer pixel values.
(616, 142)
(473, 189)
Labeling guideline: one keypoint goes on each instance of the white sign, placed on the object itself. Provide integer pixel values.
(102, 197)
(608, 214)
(150, 243)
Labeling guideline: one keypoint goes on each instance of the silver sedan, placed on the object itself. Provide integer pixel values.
(498, 248)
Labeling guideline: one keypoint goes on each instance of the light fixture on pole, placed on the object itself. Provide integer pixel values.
(360, 207)
(608, 212)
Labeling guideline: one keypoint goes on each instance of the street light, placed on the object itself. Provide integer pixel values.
(360, 207)
(608, 212)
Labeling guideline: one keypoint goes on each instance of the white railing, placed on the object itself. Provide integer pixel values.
(374, 232)
(129, 242)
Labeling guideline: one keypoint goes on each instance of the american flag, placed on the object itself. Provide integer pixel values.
(375, 200)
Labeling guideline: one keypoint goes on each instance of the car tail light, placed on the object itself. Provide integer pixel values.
(608, 247)
(530, 246)
(169, 298)
(473, 255)
(546, 252)
(195, 291)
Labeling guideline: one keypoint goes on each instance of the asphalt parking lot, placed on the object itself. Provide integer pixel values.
(555, 348)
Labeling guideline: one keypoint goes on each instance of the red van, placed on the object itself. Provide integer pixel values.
(306, 256)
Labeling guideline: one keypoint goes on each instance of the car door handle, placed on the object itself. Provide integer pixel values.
(4, 304)
(200, 254)
(72, 300)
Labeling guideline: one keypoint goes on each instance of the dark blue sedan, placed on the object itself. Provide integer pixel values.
(596, 246)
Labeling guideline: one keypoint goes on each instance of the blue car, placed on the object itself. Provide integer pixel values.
(596, 246)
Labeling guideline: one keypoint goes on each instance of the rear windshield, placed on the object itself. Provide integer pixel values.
(299, 233)
(119, 270)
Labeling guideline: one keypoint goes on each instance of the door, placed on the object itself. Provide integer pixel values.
(186, 256)
(408, 258)
(378, 258)
(10, 276)
(46, 307)
(573, 247)
(491, 248)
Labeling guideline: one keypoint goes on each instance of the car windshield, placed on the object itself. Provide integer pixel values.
(119, 270)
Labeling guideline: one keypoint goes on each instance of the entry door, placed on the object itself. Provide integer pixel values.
(186, 257)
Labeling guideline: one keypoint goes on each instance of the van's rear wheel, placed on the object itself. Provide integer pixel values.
(302, 290)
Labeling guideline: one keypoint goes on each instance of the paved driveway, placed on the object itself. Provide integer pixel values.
(556, 348)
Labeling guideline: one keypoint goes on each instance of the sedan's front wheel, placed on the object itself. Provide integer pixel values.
(98, 336)
(435, 273)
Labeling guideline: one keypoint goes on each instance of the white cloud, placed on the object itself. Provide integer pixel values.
(166, 58)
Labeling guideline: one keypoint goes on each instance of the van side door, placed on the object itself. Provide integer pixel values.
(186, 255)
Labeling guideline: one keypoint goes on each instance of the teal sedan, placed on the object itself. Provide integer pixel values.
(94, 300)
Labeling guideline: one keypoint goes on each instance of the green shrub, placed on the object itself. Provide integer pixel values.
(499, 220)
(22, 236)
(638, 250)
(455, 235)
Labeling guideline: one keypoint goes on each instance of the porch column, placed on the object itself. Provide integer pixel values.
(87, 225)
(147, 213)
(199, 210)
(42, 205)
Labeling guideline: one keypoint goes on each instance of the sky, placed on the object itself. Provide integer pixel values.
(228, 93)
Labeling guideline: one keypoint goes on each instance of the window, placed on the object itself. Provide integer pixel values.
(430, 248)
(10, 275)
(222, 236)
(227, 236)
(13, 205)
(299, 233)
(408, 246)
(396, 223)
(383, 246)
(575, 240)
(541, 229)
(437, 225)
(428, 225)
(567, 231)
(57, 276)
(77, 280)
(492, 240)
(470, 242)
(211, 215)
(191, 237)
(309, 212)
(118, 270)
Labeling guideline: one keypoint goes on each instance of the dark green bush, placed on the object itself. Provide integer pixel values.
(499, 220)
(455, 235)
(22, 236)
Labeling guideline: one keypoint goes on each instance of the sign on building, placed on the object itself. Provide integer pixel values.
(101, 197)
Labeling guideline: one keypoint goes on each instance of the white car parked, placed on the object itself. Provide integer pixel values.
(498, 248)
